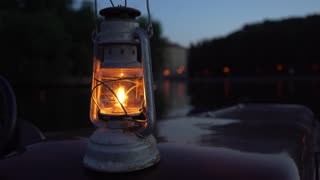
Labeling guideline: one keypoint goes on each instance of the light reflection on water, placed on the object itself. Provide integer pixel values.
(176, 99)
(189, 130)
(183, 97)
(58, 108)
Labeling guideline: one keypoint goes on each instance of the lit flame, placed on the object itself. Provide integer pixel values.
(121, 94)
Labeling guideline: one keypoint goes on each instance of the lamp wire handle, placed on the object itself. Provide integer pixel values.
(111, 3)
(96, 15)
(150, 27)
(113, 93)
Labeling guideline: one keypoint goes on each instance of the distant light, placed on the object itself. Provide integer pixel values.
(166, 72)
(226, 70)
(315, 67)
(279, 67)
(180, 70)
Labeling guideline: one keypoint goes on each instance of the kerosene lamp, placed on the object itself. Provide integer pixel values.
(122, 102)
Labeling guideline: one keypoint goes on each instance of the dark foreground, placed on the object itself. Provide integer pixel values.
(247, 141)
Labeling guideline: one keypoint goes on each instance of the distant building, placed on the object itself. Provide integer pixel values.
(175, 61)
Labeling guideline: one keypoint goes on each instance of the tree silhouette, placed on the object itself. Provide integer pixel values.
(257, 49)
(45, 40)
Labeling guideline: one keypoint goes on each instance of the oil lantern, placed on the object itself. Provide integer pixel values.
(122, 103)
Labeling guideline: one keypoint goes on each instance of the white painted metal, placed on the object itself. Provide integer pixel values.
(116, 147)
(116, 151)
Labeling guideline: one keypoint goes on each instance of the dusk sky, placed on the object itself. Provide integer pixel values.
(186, 21)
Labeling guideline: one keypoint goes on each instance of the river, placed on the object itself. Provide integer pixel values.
(54, 108)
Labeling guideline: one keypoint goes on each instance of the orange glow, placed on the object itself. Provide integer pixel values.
(279, 67)
(121, 94)
(166, 72)
(226, 70)
(180, 70)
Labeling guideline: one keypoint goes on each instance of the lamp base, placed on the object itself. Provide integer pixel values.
(116, 151)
